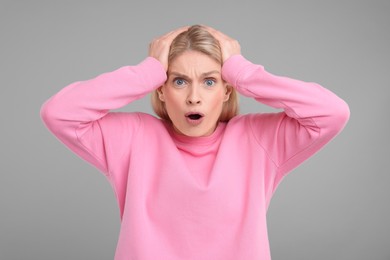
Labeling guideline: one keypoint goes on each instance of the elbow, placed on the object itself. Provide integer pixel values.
(343, 112)
(48, 115)
(340, 116)
(44, 112)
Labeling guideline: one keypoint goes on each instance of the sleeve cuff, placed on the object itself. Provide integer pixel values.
(236, 69)
(153, 70)
(233, 67)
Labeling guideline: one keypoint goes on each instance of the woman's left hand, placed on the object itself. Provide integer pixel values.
(229, 46)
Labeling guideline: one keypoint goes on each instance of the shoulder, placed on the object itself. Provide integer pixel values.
(126, 120)
(256, 125)
(150, 121)
(130, 116)
(249, 120)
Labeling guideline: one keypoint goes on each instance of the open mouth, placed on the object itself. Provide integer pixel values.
(194, 117)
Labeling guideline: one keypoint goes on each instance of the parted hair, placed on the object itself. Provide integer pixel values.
(197, 38)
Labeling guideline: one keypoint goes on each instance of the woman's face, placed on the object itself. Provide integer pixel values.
(194, 93)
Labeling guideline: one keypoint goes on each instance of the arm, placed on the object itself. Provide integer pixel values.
(312, 114)
(79, 114)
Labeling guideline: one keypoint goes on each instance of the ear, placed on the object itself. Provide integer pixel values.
(161, 94)
(228, 91)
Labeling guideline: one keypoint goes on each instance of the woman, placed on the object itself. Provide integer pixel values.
(195, 184)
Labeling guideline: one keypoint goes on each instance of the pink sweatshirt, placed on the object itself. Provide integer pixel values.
(201, 198)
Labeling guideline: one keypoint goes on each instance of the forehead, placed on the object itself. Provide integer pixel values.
(193, 62)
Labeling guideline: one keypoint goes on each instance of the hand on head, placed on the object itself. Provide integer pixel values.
(229, 46)
(159, 47)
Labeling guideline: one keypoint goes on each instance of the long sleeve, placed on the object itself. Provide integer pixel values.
(312, 114)
(79, 114)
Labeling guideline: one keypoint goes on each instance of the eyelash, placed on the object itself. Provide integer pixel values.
(175, 80)
(211, 79)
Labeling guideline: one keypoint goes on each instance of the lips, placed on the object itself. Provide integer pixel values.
(194, 115)
(194, 118)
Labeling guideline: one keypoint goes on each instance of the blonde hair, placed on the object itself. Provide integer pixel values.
(197, 38)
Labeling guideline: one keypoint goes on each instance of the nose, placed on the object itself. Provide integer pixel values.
(193, 97)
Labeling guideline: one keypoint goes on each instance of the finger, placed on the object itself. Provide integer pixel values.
(208, 27)
(213, 31)
(171, 35)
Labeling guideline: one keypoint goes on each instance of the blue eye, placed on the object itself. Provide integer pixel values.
(209, 82)
(179, 82)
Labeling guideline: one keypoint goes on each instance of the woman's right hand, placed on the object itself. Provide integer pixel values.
(159, 47)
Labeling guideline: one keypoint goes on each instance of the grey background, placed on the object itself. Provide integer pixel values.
(55, 206)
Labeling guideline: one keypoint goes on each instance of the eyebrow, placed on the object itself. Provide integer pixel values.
(177, 74)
